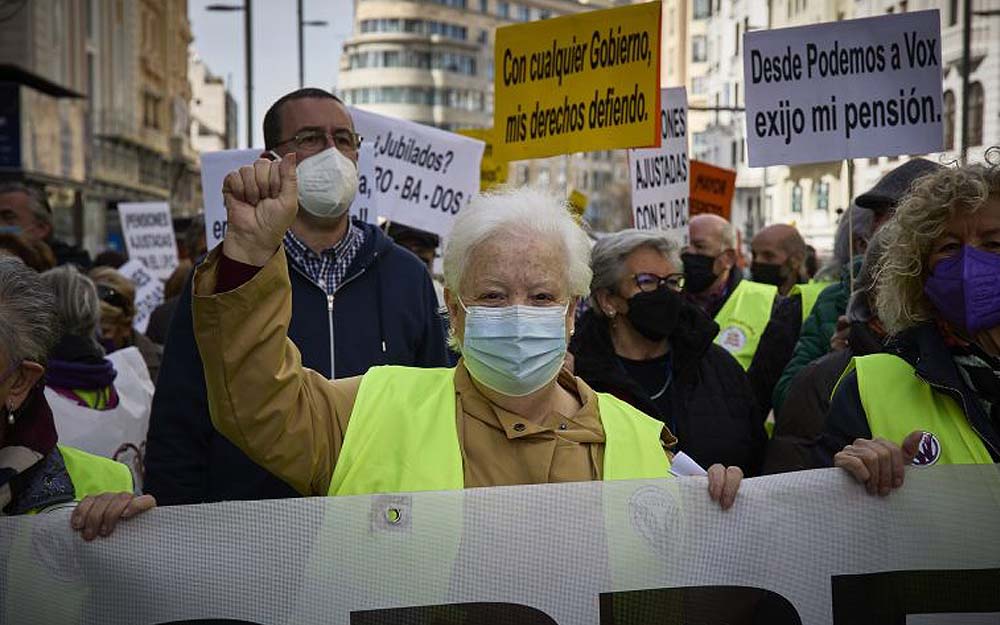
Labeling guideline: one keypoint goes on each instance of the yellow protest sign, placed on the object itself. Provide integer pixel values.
(493, 173)
(578, 83)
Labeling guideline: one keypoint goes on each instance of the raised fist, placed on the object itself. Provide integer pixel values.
(261, 203)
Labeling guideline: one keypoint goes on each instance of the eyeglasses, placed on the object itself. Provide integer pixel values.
(315, 140)
(113, 297)
(649, 282)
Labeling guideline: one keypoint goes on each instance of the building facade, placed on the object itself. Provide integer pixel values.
(213, 110)
(102, 100)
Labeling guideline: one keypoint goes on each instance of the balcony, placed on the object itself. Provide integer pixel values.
(951, 41)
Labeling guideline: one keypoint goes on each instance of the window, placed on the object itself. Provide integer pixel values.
(503, 9)
(150, 111)
(975, 113)
(699, 85)
(699, 49)
(484, 36)
(702, 9)
(949, 119)
(823, 196)
(797, 198)
(523, 13)
(544, 14)
(418, 27)
(733, 153)
(484, 6)
(953, 12)
(736, 43)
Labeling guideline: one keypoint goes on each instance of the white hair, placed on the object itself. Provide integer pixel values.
(522, 210)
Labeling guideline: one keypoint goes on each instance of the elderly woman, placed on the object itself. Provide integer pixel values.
(36, 472)
(117, 295)
(644, 343)
(934, 398)
(100, 403)
(507, 414)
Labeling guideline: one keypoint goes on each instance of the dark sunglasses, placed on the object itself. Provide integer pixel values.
(113, 297)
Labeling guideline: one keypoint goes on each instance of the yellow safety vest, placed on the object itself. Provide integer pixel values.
(93, 475)
(403, 437)
(809, 294)
(898, 402)
(743, 318)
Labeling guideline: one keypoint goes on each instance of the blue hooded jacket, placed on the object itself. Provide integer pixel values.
(384, 312)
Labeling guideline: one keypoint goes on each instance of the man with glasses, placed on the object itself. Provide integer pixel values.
(358, 300)
(647, 344)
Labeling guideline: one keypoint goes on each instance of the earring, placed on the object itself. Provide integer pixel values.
(610, 313)
(10, 415)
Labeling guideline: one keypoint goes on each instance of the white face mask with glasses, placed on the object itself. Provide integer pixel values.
(514, 350)
(327, 182)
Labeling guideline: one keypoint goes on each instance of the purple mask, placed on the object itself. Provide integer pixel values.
(965, 289)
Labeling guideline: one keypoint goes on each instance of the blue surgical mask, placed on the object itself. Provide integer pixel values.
(514, 350)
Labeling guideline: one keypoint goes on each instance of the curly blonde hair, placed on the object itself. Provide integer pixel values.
(921, 219)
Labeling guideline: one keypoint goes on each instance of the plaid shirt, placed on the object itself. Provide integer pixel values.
(329, 268)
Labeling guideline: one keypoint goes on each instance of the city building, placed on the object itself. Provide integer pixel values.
(213, 110)
(431, 61)
(95, 108)
(43, 106)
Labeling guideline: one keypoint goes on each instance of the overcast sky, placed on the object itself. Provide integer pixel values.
(218, 40)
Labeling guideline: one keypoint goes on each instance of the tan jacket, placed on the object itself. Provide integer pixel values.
(292, 420)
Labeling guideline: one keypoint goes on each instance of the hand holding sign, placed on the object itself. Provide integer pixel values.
(261, 203)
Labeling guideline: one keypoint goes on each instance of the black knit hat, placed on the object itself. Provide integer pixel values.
(888, 191)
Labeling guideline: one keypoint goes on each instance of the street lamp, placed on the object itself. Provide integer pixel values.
(302, 25)
(247, 8)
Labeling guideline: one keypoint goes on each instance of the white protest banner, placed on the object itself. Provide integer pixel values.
(807, 547)
(363, 207)
(148, 230)
(423, 177)
(857, 88)
(659, 176)
(214, 167)
(148, 292)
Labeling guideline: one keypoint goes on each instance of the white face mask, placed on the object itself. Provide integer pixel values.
(328, 182)
(514, 350)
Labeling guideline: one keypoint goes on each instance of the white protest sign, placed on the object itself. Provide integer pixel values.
(214, 167)
(423, 177)
(850, 89)
(363, 207)
(148, 292)
(148, 230)
(659, 176)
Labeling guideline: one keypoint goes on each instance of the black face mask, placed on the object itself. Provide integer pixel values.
(698, 272)
(655, 314)
(767, 273)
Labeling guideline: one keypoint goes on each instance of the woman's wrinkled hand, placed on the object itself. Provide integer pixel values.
(97, 515)
(878, 464)
(723, 484)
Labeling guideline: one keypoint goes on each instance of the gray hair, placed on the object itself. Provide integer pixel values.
(27, 307)
(39, 202)
(76, 303)
(610, 252)
(526, 210)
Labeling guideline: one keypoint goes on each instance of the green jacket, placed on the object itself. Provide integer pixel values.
(817, 330)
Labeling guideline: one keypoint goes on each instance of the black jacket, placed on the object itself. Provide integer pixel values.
(803, 415)
(711, 402)
(777, 344)
(385, 312)
(925, 349)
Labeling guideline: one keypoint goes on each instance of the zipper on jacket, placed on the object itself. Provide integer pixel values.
(329, 303)
(953, 392)
(329, 312)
